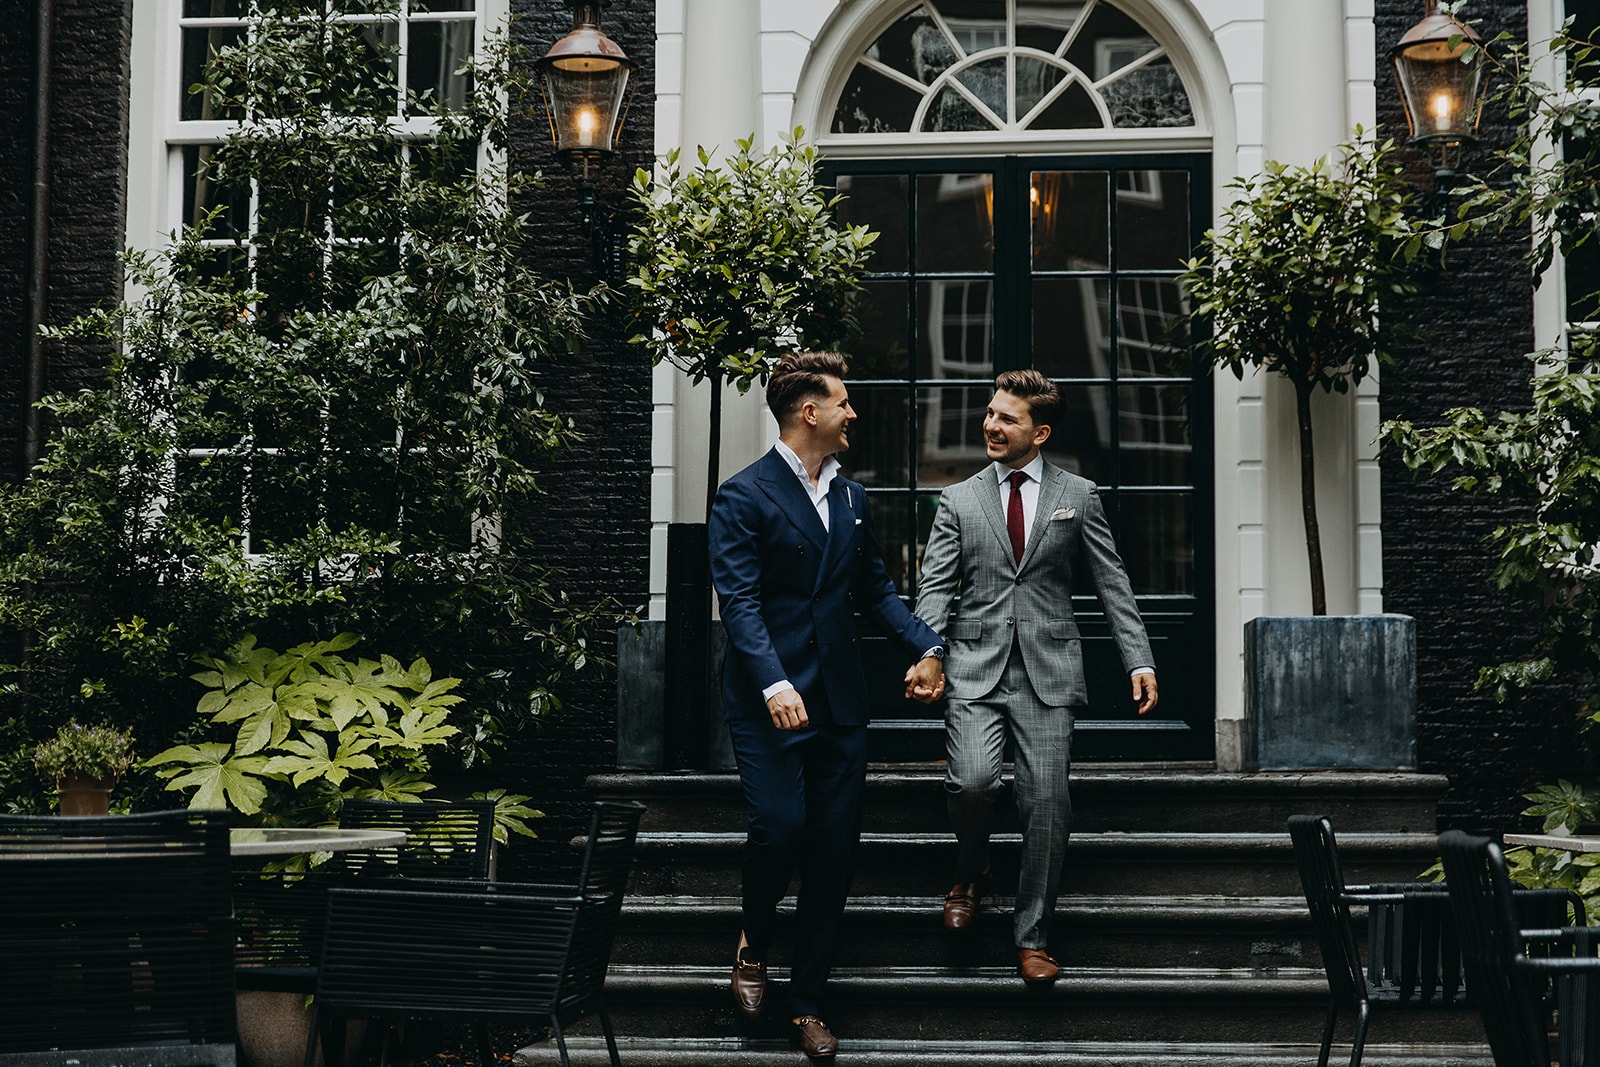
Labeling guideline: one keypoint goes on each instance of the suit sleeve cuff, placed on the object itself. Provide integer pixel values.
(1141, 670)
(775, 688)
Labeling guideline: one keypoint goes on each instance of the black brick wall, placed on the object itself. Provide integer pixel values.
(16, 180)
(594, 522)
(1476, 318)
(87, 152)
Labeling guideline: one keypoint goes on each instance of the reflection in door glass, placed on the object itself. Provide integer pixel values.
(1071, 219)
(956, 338)
(955, 222)
(877, 201)
(1071, 327)
(1152, 219)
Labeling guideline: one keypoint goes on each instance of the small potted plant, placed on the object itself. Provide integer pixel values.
(85, 762)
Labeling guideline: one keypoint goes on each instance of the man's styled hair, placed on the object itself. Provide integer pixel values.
(1041, 394)
(801, 376)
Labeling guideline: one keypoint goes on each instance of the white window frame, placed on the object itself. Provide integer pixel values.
(158, 135)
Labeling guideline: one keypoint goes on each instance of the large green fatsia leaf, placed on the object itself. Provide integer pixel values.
(219, 779)
(308, 759)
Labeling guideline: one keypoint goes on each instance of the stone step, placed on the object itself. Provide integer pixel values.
(590, 1051)
(694, 864)
(1256, 933)
(909, 798)
(993, 1004)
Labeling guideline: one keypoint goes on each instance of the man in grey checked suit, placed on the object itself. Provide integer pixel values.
(1007, 541)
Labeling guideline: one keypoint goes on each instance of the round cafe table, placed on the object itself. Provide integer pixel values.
(286, 840)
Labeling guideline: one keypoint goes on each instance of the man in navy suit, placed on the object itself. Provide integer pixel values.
(793, 558)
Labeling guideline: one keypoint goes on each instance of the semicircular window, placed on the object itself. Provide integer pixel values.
(1001, 66)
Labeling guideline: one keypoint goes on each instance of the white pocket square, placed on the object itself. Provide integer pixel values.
(1063, 513)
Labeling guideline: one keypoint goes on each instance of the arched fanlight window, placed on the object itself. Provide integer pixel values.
(952, 66)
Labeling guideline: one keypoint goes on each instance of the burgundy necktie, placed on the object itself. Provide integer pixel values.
(1014, 515)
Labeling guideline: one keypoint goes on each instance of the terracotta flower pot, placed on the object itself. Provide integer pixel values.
(84, 796)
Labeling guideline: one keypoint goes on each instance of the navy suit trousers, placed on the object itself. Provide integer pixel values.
(803, 792)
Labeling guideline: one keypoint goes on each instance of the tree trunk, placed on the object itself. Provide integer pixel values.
(714, 456)
(1308, 498)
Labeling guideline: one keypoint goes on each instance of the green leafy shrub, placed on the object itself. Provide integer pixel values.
(304, 730)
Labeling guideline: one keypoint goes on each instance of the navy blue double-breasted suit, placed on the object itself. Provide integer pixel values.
(789, 592)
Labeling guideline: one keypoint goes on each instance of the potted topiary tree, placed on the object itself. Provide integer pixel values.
(1293, 282)
(84, 763)
(731, 265)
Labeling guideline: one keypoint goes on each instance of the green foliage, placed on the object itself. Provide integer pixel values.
(1294, 282)
(369, 408)
(1294, 278)
(1553, 868)
(1542, 466)
(103, 752)
(1564, 807)
(733, 265)
(291, 736)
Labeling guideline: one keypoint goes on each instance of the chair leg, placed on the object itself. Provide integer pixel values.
(1327, 1034)
(1363, 1016)
(311, 1035)
(480, 1034)
(561, 1041)
(611, 1037)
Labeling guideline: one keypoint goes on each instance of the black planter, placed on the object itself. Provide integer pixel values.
(1335, 692)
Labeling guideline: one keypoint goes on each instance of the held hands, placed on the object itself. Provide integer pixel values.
(788, 711)
(925, 680)
(1144, 691)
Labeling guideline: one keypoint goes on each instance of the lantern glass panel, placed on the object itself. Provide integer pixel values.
(1440, 92)
(585, 98)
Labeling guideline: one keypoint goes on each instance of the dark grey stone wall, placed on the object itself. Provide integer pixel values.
(87, 154)
(594, 522)
(16, 132)
(1476, 318)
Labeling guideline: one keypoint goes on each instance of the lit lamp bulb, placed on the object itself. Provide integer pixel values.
(588, 122)
(1441, 111)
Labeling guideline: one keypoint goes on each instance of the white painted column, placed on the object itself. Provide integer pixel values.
(1306, 117)
(709, 85)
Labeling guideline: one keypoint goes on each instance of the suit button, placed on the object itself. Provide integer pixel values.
(811, 643)
(817, 599)
(800, 549)
(1011, 622)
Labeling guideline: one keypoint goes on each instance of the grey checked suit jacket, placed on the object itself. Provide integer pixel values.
(969, 554)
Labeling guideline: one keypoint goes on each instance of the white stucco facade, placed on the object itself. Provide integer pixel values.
(788, 57)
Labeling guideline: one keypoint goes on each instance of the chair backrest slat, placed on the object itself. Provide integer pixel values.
(443, 840)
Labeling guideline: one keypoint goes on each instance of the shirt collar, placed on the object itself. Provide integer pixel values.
(830, 466)
(1034, 469)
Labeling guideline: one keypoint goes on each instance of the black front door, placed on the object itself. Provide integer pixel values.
(1067, 264)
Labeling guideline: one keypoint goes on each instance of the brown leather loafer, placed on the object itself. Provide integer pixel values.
(961, 903)
(815, 1039)
(1036, 966)
(749, 983)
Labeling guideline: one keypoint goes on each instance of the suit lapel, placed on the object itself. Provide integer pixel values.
(1051, 491)
(987, 486)
(782, 485)
(841, 526)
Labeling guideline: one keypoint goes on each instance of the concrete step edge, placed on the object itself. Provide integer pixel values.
(990, 983)
(862, 1052)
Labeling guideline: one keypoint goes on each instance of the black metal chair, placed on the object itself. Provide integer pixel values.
(116, 938)
(1411, 962)
(281, 912)
(1413, 959)
(1519, 970)
(474, 952)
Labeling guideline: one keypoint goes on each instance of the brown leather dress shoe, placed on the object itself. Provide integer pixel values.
(815, 1039)
(749, 983)
(961, 903)
(1036, 966)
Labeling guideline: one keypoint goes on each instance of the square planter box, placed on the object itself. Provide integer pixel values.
(1333, 692)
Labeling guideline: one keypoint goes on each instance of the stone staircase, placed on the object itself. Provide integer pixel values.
(1181, 928)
